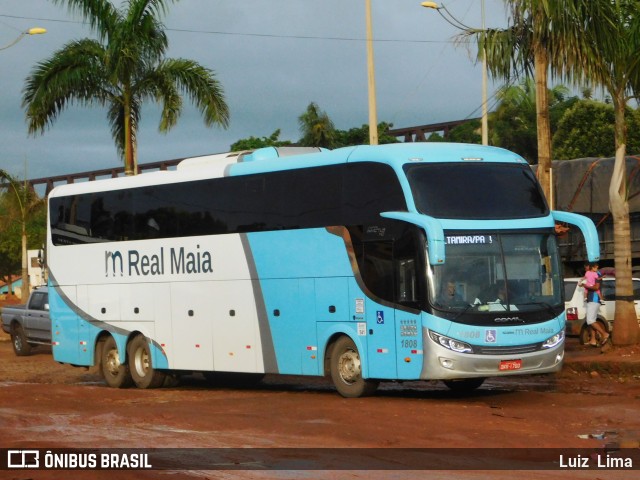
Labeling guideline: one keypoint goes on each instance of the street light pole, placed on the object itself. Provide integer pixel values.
(461, 26)
(373, 116)
(31, 31)
(485, 120)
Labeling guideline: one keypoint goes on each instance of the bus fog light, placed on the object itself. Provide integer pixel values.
(446, 363)
(559, 357)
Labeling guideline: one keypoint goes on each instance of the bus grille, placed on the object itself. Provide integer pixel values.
(513, 350)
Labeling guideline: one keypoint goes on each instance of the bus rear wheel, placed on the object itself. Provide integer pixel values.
(140, 364)
(115, 373)
(346, 370)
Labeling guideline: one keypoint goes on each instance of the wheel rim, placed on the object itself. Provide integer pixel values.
(17, 342)
(113, 362)
(141, 362)
(349, 366)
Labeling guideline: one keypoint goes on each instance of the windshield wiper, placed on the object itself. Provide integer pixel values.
(548, 306)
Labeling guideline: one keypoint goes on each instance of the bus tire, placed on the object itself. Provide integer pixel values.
(140, 364)
(116, 374)
(464, 385)
(346, 370)
(21, 347)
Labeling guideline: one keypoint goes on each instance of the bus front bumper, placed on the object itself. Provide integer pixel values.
(441, 363)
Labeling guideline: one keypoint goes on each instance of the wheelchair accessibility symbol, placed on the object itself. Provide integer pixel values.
(490, 336)
(380, 317)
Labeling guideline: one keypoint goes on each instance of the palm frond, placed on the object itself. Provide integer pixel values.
(101, 15)
(76, 73)
(199, 83)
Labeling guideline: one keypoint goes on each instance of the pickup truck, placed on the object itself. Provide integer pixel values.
(28, 324)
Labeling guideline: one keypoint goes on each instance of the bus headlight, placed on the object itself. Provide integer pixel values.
(553, 341)
(450, 343)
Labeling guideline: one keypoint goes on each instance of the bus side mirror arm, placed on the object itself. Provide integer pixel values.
(431, 226)
(587, 228)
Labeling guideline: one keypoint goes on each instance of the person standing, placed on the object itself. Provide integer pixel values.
(593, 305)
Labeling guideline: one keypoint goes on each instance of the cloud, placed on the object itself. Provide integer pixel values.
(272, 57)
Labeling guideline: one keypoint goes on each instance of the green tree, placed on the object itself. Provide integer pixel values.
(22, 223)
(468, 132)
(583, 41)
(360, 135)
(541, 39)
(253, 143)
(588, 130)
(608, 57)
(316, 127)
(122, 69)
(436, 137)
(513, 124)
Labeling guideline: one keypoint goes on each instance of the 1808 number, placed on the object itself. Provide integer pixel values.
(409, 343)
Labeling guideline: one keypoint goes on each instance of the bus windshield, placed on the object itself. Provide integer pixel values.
(481, 191)
(492, 272)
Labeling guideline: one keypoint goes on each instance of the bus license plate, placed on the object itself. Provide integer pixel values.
(510, 365)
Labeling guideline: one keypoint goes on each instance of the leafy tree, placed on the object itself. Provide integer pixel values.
(588, 129)
(253, 143)
(513, 124)
(542, 38)
(436, 137)
(22, 223)
(122, 69)
(360, 136)
(317, 128)
(468, 132)
(608, 56)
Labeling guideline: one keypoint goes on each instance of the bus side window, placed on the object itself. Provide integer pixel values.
(378, 269)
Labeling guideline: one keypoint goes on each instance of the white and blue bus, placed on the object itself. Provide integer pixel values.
(367, 264)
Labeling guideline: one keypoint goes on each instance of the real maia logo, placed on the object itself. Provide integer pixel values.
(175, 261)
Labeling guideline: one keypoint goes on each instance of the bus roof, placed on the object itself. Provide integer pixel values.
(277, 159)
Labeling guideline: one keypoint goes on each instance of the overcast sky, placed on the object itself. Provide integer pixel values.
(273, 57)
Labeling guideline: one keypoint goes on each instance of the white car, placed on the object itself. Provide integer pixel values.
(576, 306)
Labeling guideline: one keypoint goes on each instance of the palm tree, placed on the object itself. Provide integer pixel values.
(580, 40)
(609, 58)
(533, 45)
(316, 127)
(124, 67)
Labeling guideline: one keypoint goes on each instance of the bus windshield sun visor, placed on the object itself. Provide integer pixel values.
(431, 226)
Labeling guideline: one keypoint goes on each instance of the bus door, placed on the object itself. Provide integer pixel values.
(409, 352)
(381, 340)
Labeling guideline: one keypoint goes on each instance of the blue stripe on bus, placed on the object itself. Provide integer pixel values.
(293, 301)
(74, 335)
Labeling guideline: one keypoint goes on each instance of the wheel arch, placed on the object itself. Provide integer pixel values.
(122, 341)
(332, 335)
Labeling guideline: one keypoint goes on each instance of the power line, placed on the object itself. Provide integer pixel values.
(242, 34)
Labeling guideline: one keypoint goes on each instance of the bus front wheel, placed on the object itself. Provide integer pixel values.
(116, 374)
(140, 364)
(346, 370)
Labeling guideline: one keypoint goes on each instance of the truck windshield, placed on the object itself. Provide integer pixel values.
(491, 272)
(481, 191)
